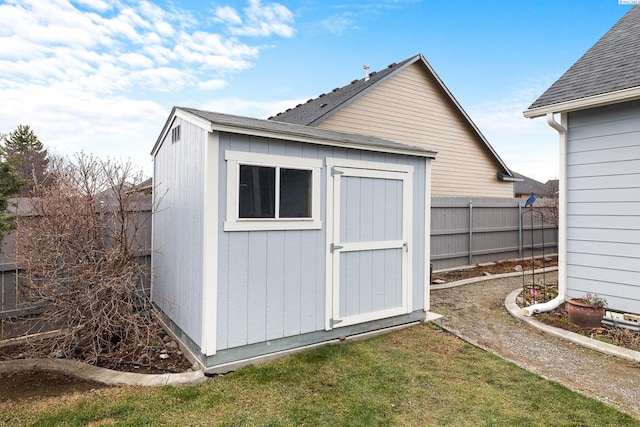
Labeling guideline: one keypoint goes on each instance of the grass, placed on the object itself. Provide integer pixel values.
(416, 376)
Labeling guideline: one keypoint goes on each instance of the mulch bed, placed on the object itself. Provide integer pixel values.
(498, 267)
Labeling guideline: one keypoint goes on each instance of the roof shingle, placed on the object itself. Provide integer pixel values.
(612, 64)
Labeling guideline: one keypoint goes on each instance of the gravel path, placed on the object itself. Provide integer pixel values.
(475, 312)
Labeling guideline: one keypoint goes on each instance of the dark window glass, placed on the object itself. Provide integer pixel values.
(295, 193)
(257, 192)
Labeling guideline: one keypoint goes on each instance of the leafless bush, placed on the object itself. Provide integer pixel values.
(80, 248)
(625, 337)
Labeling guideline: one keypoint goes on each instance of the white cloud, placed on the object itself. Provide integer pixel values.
(259, 20)
(337, 24)
(100, 76)
(212, 84)
(229, 15)
(97, 5)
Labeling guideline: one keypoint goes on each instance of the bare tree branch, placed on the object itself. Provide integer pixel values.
(80, 247)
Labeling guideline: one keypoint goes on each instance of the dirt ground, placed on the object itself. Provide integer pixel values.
(165, 357)
(476, 313)
(26, 385)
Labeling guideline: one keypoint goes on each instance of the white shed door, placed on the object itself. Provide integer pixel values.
(369, 220)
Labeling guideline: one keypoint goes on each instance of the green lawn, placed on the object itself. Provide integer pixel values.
(414, 377)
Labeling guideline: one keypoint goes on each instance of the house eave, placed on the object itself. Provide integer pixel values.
(502, 176)
(624, 95)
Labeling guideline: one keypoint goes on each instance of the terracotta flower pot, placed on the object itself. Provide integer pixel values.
(582, 313)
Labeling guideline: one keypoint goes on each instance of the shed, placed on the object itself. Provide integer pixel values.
(270, 237)
(598, 103)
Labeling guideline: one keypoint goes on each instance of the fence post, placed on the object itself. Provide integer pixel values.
(519, 230)
(470, 232)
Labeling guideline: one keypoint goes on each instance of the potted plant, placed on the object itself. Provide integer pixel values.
(586, 311)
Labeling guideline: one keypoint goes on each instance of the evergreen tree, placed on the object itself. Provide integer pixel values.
(24, 151)
(10, 183)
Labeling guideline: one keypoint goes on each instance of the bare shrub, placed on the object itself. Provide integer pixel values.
(80, 248)
(624, 337)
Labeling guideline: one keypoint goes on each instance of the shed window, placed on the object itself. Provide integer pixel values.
(261, 186)
(175, 134)
(267, 192)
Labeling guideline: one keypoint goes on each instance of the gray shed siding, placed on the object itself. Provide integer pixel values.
(177, 228)
(271, 284)
(603, 214)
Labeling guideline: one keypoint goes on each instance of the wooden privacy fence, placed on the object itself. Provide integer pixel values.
(466, 231)
(463, 231)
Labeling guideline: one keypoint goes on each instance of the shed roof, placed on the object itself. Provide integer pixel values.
(258, 127)
(318, 109)
(611, 66)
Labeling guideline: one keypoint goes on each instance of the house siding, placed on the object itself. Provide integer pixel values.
(177, 228)
(411, 108)
(603, 213)
(272, 284)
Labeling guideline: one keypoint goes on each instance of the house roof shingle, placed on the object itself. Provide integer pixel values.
(611, 65)
(528, 185)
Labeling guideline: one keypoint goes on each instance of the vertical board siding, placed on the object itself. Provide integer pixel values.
(603, 214)
(271, 284)
(363, 196)
(177, 233)
(370, 210)
(371, 281)
(411, 108)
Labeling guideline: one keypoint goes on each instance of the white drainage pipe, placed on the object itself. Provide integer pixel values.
(542, 307)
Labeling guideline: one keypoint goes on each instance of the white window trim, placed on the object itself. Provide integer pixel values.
(235, 223)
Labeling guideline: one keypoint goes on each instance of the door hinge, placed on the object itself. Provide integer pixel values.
(335, 247)
(335, 171)
(405, 245)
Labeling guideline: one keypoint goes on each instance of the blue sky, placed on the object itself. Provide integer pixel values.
(101, 76)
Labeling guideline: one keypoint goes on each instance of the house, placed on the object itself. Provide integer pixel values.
(408, 103)
(598, 104)
(271, 237)
(522, 189)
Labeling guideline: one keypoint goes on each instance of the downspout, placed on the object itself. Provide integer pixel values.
(562, 222)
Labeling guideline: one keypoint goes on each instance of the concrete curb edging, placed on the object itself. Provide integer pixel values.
(102, 375)
(609, 349)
